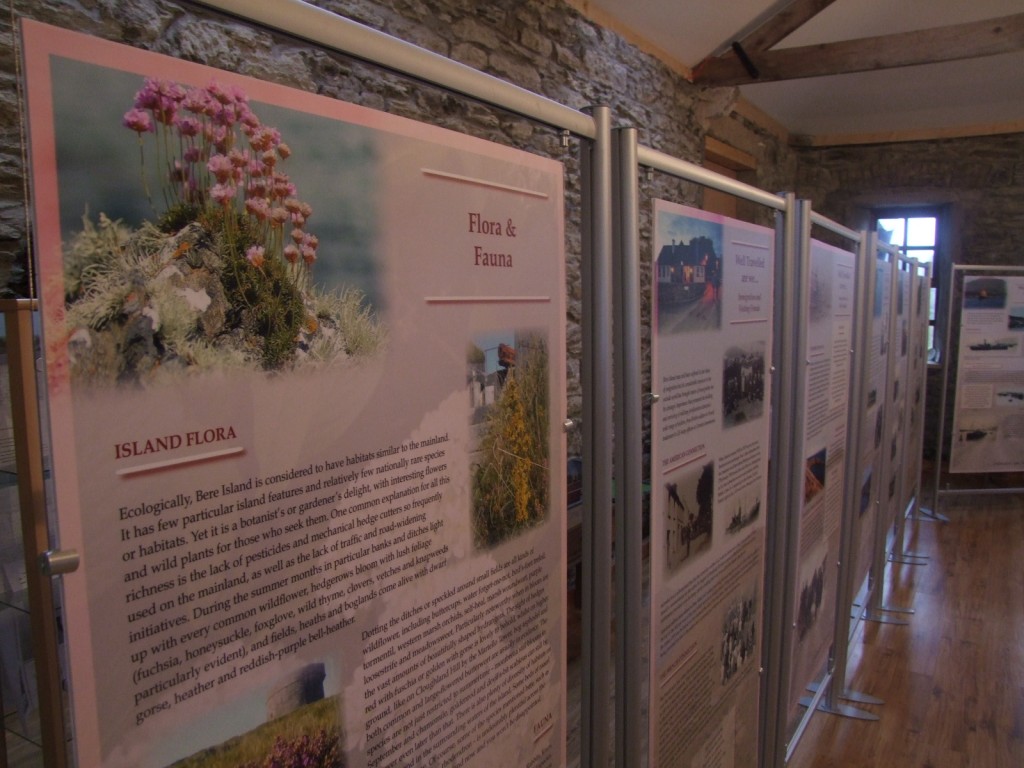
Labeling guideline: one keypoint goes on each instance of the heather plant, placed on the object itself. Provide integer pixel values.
(306, 738)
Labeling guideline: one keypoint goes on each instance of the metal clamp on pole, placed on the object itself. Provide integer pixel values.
(56, 562)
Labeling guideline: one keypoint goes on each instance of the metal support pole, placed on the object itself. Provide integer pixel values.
(629, 616)
(926, 513)
(28, 447)
(598, 435)
(781, 525)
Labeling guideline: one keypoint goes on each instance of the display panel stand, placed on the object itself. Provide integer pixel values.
(835, 690)
(913, 437)
(876, 611)
(35, 536)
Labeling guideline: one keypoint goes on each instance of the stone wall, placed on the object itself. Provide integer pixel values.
(545, 46)
(980, 181)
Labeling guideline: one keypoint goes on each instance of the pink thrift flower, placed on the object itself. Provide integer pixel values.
(248, 120)
(223, 194)
(256, 255)
(138, 120)
(220, 166)
(269, 158)
(282, 187)
(187, 126)
(279, 215)
(284, 150)
(308, 255)
(148, 96)
(258, 207)
(219, 92)
(291, 253)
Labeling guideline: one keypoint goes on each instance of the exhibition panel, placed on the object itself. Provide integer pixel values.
(830, 277)
(986, 432)
(712, 288)
(316, 485)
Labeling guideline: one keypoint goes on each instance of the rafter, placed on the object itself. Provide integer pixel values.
(926, 46)
(783, 24)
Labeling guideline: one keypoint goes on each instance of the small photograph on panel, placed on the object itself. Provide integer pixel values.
(689, 513)
(821, 292)
(985, 346)
(218, 237)
(689, 275)
(977, 432)
(814, 475)
(865, 495)
(303, 727)
(743, 375)
(739, 635)
(507, 382)
(1010, 397)
(811, 593)
(1015, 319)
(985, 293)
(747, 508)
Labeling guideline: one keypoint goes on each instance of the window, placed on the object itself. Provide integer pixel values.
(916, 233)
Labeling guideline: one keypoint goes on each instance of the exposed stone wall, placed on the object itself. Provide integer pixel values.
(545, 46)
(978, 182)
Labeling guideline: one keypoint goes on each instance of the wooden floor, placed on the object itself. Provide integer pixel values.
(953, 678)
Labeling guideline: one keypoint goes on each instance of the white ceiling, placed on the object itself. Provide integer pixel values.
(980, 95)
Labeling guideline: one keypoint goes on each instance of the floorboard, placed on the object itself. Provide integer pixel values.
(952, 678)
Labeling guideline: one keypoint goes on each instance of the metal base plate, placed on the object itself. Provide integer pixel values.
(842, 710)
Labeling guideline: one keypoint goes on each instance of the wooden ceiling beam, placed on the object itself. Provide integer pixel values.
(927, 46)
(783, 24)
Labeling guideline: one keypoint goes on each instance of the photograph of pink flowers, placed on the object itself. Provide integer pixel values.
(205, 231)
